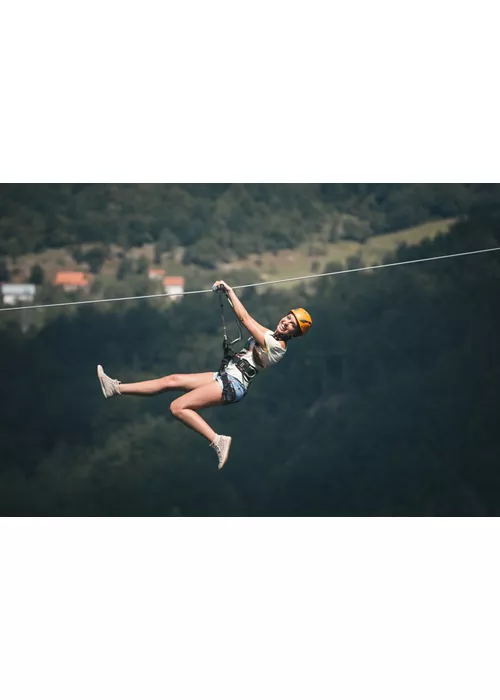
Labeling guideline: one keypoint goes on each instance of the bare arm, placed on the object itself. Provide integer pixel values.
(253, 327)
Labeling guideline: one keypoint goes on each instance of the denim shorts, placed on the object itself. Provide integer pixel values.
(238, 387)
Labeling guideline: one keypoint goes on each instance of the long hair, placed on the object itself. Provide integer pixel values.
(287, 336)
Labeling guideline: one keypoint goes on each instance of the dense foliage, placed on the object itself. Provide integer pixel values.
(216, 222)
(388, 407)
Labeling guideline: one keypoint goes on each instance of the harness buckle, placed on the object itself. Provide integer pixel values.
(246, 368)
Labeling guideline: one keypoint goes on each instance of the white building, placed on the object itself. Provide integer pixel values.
(13, 294)
(174, 286)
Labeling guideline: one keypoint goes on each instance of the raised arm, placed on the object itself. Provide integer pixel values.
(253, 327)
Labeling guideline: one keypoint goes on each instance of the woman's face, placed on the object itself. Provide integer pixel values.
(288, 324)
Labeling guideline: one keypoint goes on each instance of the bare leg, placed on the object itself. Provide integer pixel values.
(171, 382)
(204, 396)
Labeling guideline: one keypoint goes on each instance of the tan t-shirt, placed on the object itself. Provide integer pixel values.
(269, 355)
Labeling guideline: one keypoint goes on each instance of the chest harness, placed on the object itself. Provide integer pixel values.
(230, 354)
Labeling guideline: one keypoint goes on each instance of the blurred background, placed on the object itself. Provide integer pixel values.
(388, 407)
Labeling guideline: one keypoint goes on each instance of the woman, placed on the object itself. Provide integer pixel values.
(230, 384)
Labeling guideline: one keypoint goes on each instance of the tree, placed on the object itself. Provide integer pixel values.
(205, 253)
(167, 241)
(355, 229)
(95, 258)
(142, 265)
(37, 275)
(4, 271)
(124, 268)
(278, 240)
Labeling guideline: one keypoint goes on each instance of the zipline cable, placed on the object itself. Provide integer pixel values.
(256, 284)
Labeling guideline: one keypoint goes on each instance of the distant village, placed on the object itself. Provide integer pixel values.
(17, 293)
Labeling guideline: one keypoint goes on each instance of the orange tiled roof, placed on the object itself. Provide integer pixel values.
(156, 271)
(174, 281)
(76, 279)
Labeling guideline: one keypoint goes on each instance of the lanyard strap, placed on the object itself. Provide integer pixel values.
(227, 344)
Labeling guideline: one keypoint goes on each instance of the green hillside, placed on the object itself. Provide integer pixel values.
(219, 222)
(388, 407)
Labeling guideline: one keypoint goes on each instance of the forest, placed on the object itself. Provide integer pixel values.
(216, 223)
(388, 407)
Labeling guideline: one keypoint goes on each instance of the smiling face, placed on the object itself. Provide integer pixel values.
(287, 325)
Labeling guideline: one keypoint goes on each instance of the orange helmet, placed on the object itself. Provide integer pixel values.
(303, 319)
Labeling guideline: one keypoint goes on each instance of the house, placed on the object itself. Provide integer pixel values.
(174, 286)
(71, 281)
(13, 294)
(155, 273)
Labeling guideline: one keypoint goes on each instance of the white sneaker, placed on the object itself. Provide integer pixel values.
(221, 445)
(109, 386)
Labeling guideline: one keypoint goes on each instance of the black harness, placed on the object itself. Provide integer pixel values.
(230, 355)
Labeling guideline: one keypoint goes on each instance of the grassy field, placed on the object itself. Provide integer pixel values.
(316, 255)
(311, 257)
(378, 246)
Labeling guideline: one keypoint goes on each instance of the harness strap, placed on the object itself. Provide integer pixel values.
(227, 349)
(228, 343)
(229, 354)
(228, 392)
